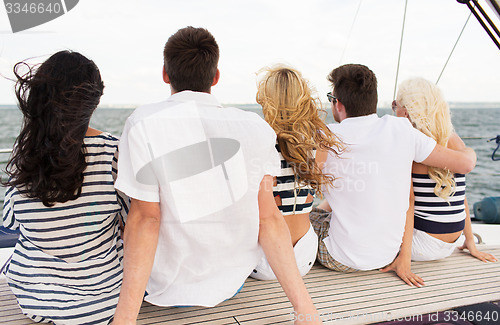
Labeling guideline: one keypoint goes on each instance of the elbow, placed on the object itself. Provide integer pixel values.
(469, 167)
(469, 163)
(143, 214)
(270, 216)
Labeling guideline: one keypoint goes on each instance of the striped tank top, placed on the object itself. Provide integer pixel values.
(432, 213)
(67, 263)
(292, 193)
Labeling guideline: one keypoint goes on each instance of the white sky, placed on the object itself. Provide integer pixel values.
(126, 37)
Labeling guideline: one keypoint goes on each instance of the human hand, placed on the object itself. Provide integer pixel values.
(309, 317)
(471, 246)
(402, 267)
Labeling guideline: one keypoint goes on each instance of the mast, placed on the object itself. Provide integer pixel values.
(483, 18)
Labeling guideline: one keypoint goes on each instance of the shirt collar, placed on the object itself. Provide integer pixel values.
(199, 97)
(360, 119)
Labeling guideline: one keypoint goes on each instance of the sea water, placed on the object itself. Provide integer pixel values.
(475, 126)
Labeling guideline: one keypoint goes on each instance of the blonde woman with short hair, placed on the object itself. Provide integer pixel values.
(303, 142)
(441, 212)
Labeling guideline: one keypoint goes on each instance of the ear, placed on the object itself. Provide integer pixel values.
(166, 79)
(216, 78)
(340, 106)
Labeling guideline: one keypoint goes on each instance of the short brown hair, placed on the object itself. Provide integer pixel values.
(190, 58)
(355, 86)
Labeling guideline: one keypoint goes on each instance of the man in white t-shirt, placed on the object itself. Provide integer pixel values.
(200, 178)
(362, 222)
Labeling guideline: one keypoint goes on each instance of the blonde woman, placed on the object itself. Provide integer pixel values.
(441, 213)
(303, 141)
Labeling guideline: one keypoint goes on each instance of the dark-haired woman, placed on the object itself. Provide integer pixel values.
(303, 141)
(67, 264)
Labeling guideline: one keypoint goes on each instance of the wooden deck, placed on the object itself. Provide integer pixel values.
(356, 298)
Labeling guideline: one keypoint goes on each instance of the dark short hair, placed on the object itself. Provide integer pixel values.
(190, 57)
(355, 86)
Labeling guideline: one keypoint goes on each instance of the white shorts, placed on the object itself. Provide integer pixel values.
(305, 254)
(424, 247)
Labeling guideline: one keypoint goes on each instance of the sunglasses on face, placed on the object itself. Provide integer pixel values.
(331, 98)
(394, 106)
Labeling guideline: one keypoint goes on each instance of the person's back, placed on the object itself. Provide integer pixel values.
(441, 212)
(200, 179)
(206, 158)
(67, 263)
(303, 141)
(369, 197)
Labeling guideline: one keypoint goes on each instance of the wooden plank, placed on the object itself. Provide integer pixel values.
(354, 298)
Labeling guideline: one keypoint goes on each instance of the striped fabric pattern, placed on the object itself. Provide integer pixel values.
(67, 264)
(432, 213)
(293, 195)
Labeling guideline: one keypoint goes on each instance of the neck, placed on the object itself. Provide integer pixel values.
(173, 91)
(92, 132)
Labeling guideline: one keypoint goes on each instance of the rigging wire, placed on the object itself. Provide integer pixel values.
(400, 47)
(350, 32)
(453, 49)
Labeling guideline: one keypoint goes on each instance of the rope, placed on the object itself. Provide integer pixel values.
(474, 138)
(497, 140)
(350, 32)
(453, 49)
(400, 47)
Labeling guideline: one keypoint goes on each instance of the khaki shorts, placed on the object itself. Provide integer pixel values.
(320, 220)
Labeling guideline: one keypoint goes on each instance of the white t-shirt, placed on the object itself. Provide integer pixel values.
(204, 164)
(370, 196)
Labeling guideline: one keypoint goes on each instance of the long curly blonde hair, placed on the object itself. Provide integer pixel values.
(298, 120)
(430, 114)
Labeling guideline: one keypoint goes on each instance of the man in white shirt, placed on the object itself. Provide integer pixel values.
(200, 179)
(371, 194)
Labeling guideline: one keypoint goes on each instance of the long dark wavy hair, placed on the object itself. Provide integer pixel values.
(57, 99)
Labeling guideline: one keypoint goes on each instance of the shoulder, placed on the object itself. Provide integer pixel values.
(104, 142)
(395, 121)
(143, 111)
(334, 127)
(253, 119)
(233, 112)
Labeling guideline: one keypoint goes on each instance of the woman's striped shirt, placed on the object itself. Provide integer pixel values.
(292, 192)
(67, 264)
(434, 214)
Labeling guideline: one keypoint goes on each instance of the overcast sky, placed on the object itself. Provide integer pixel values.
(125, 38)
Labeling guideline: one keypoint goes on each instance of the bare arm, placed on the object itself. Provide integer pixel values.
(275, 240)
(469, 240)
(402, 263)
(140, 240)
(324, 206)
(321, 156)
(461, 160)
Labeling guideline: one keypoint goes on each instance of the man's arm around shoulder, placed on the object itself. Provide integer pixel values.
(458, 158)
(140, 241)
(274, 237)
